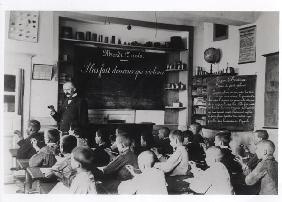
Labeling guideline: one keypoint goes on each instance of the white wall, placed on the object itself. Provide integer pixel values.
(267, 41)
(37, 93)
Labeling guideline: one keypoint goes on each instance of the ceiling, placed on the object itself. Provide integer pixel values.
(190, 18)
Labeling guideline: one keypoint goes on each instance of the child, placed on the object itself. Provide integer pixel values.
(177, 164)
(196, 128)
(150, 181)
(222, 140)
(26, 150)
(46, 155)
(82, 161)
(266, 171)
(101, 156)
(252, 162)
(62, 169)
(214, 180)
(163, 144)
(195, 151)
(125, 157)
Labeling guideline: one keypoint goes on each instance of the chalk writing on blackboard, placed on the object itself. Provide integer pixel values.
(231, 102)
(100, 70)
(120, 79)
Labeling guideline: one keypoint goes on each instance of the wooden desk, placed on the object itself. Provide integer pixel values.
(176, 185)
(43, 185)
(13, 152)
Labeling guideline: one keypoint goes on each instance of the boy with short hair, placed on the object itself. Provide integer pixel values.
(195, 151)
(196, 128)
(126, 157)
(266, 171)
(177, 163)
(150, 181)
(163, 143)
(45, 157)
(252, 162)
(62, 168)
(214, 180)
(26, 150)
(222, 140)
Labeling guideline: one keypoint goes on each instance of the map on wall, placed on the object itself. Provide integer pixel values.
(247, 51)
(271, 96)
(23, 26)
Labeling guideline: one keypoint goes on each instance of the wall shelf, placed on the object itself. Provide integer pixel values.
(175, 70)
(120, 46)
(171, 107)
(213, 75)
(175, 89)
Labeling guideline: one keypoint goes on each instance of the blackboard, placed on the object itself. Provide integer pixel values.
(271, 95)
(120, 79)
(231, 102)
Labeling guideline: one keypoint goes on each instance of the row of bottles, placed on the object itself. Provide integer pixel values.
(177, 65)
(176, 86)
(227, 70)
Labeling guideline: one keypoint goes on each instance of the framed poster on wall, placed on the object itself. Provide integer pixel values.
(247, 51)
(271, 95)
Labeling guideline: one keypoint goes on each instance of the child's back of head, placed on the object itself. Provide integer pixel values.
(213, 154)
(82, 157)
(146, 160)
(68, 143)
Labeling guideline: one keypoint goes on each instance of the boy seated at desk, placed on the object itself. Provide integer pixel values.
(150, 181)
(82, 159)
(252, 162)
(45, 157)
(162, 141)
(196, 128)
(26, 150)
(266, 170)
(195, 150)
(177, 163)
(222, 140)
(214, 180)
(126, 157)
(102, 141)
(62, 168)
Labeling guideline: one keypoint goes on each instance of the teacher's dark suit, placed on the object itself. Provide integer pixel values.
(74, 112)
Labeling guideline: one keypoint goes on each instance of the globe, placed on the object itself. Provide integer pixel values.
(212, 55)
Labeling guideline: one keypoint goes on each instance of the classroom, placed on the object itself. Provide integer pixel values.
(109, 102)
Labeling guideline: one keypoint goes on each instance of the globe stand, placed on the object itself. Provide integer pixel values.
(211, 69)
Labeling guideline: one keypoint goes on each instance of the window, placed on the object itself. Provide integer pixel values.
(9, 93)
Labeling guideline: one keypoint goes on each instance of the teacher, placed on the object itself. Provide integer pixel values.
(73, 115)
